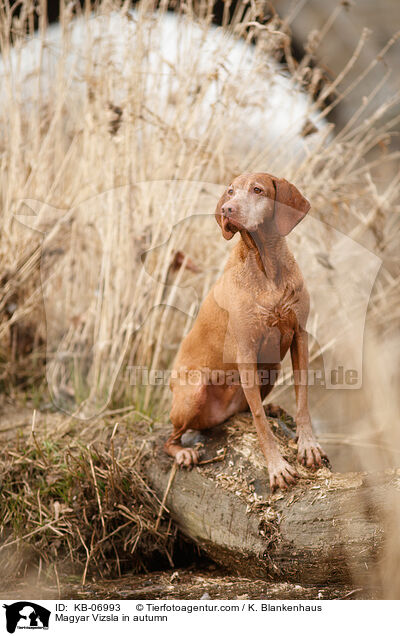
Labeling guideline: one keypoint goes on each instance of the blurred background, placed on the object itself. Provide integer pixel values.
(377, 22)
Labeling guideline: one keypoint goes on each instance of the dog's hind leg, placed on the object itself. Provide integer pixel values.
(187, 405)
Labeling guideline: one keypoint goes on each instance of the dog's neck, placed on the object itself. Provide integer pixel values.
(269, 249)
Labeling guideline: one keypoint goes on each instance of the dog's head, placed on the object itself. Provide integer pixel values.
(259, 200)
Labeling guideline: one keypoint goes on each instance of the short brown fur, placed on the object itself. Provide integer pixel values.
(251, 317)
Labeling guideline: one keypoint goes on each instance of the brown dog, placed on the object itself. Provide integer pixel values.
(253, 314)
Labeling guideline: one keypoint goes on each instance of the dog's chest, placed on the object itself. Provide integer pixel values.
(277, 322)
(277, 310)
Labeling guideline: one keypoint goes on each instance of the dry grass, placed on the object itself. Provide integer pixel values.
(122, 156)
(122, 143)
(77, 504)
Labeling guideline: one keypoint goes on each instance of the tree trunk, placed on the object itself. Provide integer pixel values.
(329, 529)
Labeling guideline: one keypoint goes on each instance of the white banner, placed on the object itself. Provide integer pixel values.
(170, 617)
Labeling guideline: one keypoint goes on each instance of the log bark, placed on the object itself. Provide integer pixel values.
(327, 530)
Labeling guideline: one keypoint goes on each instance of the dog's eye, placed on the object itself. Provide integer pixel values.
(257, 190)
(230, 191)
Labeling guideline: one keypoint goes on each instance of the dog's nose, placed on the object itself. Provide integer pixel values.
(228, 209)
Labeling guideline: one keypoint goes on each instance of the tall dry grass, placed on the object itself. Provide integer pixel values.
(119, 135)
(95, 120)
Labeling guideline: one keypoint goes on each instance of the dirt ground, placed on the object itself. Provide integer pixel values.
(209, 582)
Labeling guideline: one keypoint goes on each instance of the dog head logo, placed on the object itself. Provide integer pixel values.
(124, 252)
(26, 615)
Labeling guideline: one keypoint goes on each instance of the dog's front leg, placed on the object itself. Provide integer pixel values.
(281, 474)
(309, 452)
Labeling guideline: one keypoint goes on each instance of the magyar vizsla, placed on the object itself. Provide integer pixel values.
(254, 313)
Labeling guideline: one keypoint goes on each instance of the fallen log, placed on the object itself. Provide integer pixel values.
(329, 529)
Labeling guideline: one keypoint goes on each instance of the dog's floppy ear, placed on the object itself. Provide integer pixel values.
(290, 206)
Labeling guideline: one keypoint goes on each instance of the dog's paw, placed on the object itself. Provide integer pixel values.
(311, 455)
(187, 457)
(281, 475)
